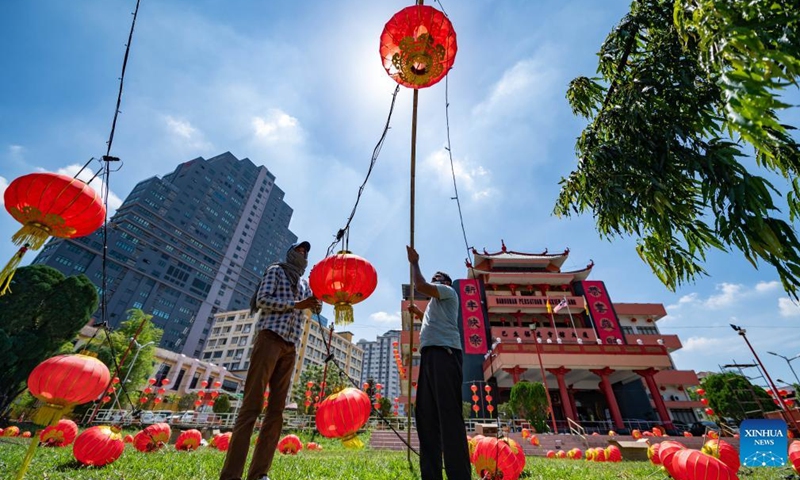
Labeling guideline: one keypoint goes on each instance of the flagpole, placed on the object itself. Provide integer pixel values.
(586, 309)
(574, 330)
(552, 317)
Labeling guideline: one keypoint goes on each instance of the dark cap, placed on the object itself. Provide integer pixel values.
(303, 244)
(445, 276)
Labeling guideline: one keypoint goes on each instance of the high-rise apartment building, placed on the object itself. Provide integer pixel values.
(233, 333)
(379, 363)
(185, 246)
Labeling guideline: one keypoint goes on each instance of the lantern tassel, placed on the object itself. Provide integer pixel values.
(344, 313)
(7, 273)
(31, 235)
(352, 442)
(49, 414)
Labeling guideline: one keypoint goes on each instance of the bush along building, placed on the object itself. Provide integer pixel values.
(605, 365)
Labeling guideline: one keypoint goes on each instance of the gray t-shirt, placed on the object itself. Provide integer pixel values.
(440, 322)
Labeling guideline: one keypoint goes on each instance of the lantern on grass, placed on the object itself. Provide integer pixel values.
(222, 442)
(63, 381)
(343, 280)
(152, 438)
(290, 445)
(666, 452)
(724, 451)
(59, 435)
(49, 204)
(418, 46)
(98, 446)
(794, 456)
(342, 414)
(495, 459)
(188, 440)
(694, 464)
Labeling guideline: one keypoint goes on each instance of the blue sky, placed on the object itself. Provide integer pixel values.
(299, 87)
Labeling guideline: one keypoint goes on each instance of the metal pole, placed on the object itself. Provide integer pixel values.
(789, 361)
(544, 380)
(787, 413)
(133, 364)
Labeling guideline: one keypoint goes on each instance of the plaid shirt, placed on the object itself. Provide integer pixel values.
(276, 300)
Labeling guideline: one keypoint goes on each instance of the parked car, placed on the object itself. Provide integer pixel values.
(702, 427)
(149, 417)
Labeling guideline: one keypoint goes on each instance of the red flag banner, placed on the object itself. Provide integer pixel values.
(472, 315)
(605, 320)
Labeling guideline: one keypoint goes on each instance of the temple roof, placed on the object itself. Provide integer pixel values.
(506, 257)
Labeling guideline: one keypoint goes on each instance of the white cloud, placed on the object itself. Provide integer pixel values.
(3, 185)
(277, 126)
(768, 287)
(385, 317)
(731, 293)
(97, 184)
(16, 152)
(684, 300)
(788, 308)
(473, 180)
(183, 132)
(703, 344)
(517, 88)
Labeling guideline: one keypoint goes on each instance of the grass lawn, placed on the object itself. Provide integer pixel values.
(334, 462)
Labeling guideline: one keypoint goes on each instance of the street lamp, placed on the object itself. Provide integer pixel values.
(789, 361)
(139, 348)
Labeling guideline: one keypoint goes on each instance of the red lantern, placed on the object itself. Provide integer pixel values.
(365, 386)
(418, 46)
(613, 454)
(313, 446)
(704, 401)
(151, 381)
(474, 388)
(723, 450)
(343, 280)
(11, 431)
(794, 456)
(666, 452)
(63, 381)
(709, 411)
(222, 442)
(702, 392)
(309, 384)
(214, 394)
(211, 403)
(475, 398)
(490, 409)
(197, 403)
(128, 439)
(188, 440)
(165, 381)
(147, 391)
(690, 463)
(290, 445)
(495, 458)
(143, 399)
(475, 408)
(157, 400)
(652, 453)
(59, 435)
(342, 414)
(535, 441)
(217, 384)
(98, 446)
(161, 391)
(203, 384)
(152, 438)
(106, 399)
(49, 204)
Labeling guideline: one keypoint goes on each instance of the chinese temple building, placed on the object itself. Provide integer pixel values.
(605, 365)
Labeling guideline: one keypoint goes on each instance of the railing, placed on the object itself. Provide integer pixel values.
(575, 428)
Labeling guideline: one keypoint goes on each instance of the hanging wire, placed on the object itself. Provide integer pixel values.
(341, 233)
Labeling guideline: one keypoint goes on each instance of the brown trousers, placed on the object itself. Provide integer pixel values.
(271, 363)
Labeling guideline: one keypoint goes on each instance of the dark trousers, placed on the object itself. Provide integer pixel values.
(440, 426)
(271, 363)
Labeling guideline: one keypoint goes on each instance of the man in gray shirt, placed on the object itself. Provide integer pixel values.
(440, 426)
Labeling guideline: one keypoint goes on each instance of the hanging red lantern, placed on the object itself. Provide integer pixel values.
(475, 398)
(152, 438)
(487, 388)
(165, 381)
(365, 386)
(151, 381)
(201, 394)
(142, 399)
(211, 403)
(343, 280)
(197, 403)
(63, 381)
(342, 414)
(290, 445)
(704, 401)
(188, 440)
(147, 391)
(203, 384)
(709, 411)
(59, 435)
(214, 394)
(98, 446)
(488, 399)
(474, 388)
(490, 409)
(161, 391)
(106, 399)
(157, 400)
(217, 384)
(309, 384)
(475, 408)
(49, 204)
(702, 392)
(418, 46)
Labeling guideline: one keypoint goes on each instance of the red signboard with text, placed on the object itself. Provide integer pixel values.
(605, 320)
(472, 316)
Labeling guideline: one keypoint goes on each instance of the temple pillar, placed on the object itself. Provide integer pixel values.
(515, 372)
(605, 386)
(571, 393)
(661, 408)
(566, 404)
(176, 371)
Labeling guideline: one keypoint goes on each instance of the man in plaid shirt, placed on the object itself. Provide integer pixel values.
(281, 298)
